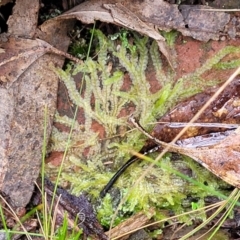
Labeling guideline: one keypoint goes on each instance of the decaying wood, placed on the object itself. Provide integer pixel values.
(77, 208)
(130, 225)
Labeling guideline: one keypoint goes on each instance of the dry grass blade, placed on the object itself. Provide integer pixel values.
(119, 233)
(25, 232)
(231, 199)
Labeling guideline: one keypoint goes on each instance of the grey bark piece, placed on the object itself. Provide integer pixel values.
(25, 101)
(162, 14)
(195, 21)
(27, 85)
(6, 114)
(26, 14)
(26, 21)
(203, 25)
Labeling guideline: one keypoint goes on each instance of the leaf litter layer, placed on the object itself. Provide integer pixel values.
(106, 102)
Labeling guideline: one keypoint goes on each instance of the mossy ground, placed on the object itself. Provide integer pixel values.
(112, 86)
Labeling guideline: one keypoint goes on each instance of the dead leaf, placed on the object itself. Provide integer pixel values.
(128, 19)
(222, 158)
(20, 54)
(225, 109)
(218, 152)
(90, 11)
(205, 140)
(116, 13)
(189, 20)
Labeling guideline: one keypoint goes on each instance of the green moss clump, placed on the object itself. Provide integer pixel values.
(104, 82)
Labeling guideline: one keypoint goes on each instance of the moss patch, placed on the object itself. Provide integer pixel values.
(106, 101)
